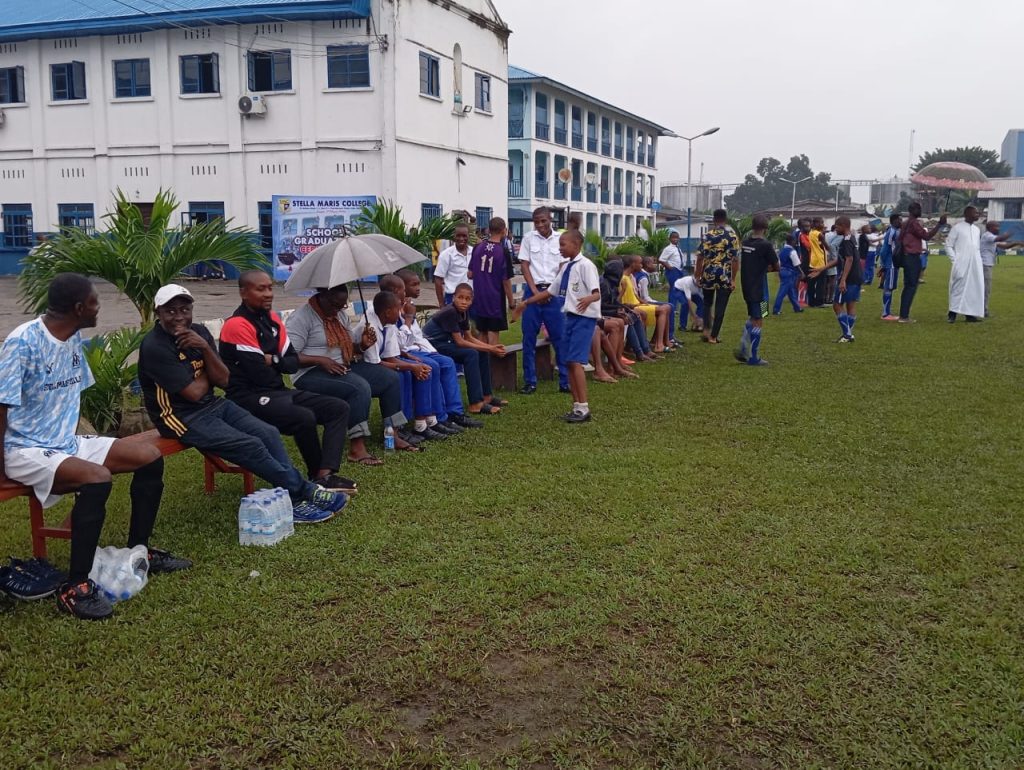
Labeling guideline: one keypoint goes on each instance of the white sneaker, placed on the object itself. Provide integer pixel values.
(588, 367)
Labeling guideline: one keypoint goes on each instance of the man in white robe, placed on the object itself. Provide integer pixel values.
(966, 278)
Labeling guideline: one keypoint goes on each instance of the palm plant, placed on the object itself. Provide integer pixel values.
(595, 247)
(108, 354)
(135, 256)
(385, 217)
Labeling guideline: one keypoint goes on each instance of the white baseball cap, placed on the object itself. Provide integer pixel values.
(166, 293)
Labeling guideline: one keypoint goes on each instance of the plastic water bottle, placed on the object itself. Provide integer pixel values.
(268, 525)
(246, 521)
(277, 508)
(389, 439)
(286, 513)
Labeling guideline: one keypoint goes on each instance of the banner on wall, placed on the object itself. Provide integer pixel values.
(303, 222)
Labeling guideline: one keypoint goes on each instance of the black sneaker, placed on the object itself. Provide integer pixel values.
(528, 390)
(162, 561)
(429, 434)
(448, 428)
(409, 436)
(564, 389)
(30, 580)
(336, 483)
(465, 421)
(573, 417)
(84, 601)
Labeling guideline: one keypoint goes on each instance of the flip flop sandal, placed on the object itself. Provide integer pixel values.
(489, 409)
(367, 460)
(498, 402)
(409, 448)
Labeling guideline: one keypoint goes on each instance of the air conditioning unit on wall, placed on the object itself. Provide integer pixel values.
(252, 104)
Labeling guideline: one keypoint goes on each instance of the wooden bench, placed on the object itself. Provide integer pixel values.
(505, 371)
(212, 465)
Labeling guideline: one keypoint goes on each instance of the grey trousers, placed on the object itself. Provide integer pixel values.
(987, 271)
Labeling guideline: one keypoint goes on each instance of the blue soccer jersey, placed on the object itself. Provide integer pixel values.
(41, 382)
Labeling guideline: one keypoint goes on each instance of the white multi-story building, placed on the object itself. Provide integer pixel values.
(228, 102)
(609, 155)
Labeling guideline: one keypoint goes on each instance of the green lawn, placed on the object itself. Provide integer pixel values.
(817, 564)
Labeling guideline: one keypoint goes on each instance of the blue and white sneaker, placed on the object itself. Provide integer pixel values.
(327, 500)
(308, 513)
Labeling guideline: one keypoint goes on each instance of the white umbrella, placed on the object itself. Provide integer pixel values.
(350, 258)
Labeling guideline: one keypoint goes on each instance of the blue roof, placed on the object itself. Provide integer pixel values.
(524, 75)
(63, 18)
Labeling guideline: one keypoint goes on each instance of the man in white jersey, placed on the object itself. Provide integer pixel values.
(539, 257)
(43, 372)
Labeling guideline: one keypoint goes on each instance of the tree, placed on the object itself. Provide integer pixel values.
(767, 187)
(135, 256)
(986, 161)
(385, 218)
(651, 246)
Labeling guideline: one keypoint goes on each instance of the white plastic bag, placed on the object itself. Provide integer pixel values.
(120, 572)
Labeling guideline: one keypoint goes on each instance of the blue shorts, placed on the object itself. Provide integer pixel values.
(852, 294)
(576, 338)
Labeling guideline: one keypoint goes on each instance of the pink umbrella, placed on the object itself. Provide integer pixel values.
(950, 175)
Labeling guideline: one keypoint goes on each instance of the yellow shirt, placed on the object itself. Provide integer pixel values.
(817, 250)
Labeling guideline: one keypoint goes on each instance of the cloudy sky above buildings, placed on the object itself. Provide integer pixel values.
(843, 82)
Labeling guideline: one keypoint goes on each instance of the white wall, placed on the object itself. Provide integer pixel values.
(385, 140)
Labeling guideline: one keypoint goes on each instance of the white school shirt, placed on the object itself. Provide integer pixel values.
(988, 249)
(672, 256)
(411, 339)
(387, 345)
(873, 240)
(542, 254)
(688, 286)
(453, 267)
(583, 282)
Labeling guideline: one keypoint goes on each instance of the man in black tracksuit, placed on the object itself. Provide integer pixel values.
(254, 345)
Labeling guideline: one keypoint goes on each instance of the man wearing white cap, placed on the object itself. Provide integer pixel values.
(178, 367)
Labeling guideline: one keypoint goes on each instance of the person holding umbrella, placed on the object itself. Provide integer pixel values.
(912, 237)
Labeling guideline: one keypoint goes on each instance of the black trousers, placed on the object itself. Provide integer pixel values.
(716, 301)
(297, 413)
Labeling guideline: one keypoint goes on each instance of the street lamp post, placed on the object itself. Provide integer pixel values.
(689, 187)
(792, 205)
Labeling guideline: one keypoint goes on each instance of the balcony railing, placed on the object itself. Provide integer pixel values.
(577, 194)
(560, 135)
(515, 188)
(618, 152)
(630, 156)
(561, 190)
(591, 144)
(577, 141)
(629, 199)
(515, 128)
(591, 195)
(639, 201)
(541, 130)
(640, 157)
(650, 159)
(540, 190)
(606, 148)
(617, 199)
(604, 196)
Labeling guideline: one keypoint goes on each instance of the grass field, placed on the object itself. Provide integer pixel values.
(816, 564)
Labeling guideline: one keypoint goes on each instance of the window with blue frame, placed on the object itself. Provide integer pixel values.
(200, 74)
(430, 211)
(542, 126)
(80, 215)
(12, 85)
(205, 211)
(560, 129)
(348, 66)
(67, 81)
(430, 75)
(591, 132)
(483, 215)
(483, 92)
(17, 219)
(131, 78)
(606, 136)
(265, 215)
(270, 70)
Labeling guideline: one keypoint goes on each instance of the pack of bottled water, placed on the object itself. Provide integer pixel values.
(265, 517)
(120, 572)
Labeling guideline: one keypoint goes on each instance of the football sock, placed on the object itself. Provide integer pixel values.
(755, 342)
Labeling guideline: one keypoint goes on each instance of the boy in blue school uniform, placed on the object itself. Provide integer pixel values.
(789, 277)
(579, 286)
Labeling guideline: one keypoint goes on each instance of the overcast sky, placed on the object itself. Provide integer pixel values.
(783, 77)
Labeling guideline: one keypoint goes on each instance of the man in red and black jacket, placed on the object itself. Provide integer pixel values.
(255, 347)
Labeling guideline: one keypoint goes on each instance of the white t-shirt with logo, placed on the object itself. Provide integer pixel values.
(583, 282)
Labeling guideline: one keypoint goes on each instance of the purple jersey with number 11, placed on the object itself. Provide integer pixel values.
(489, 266)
